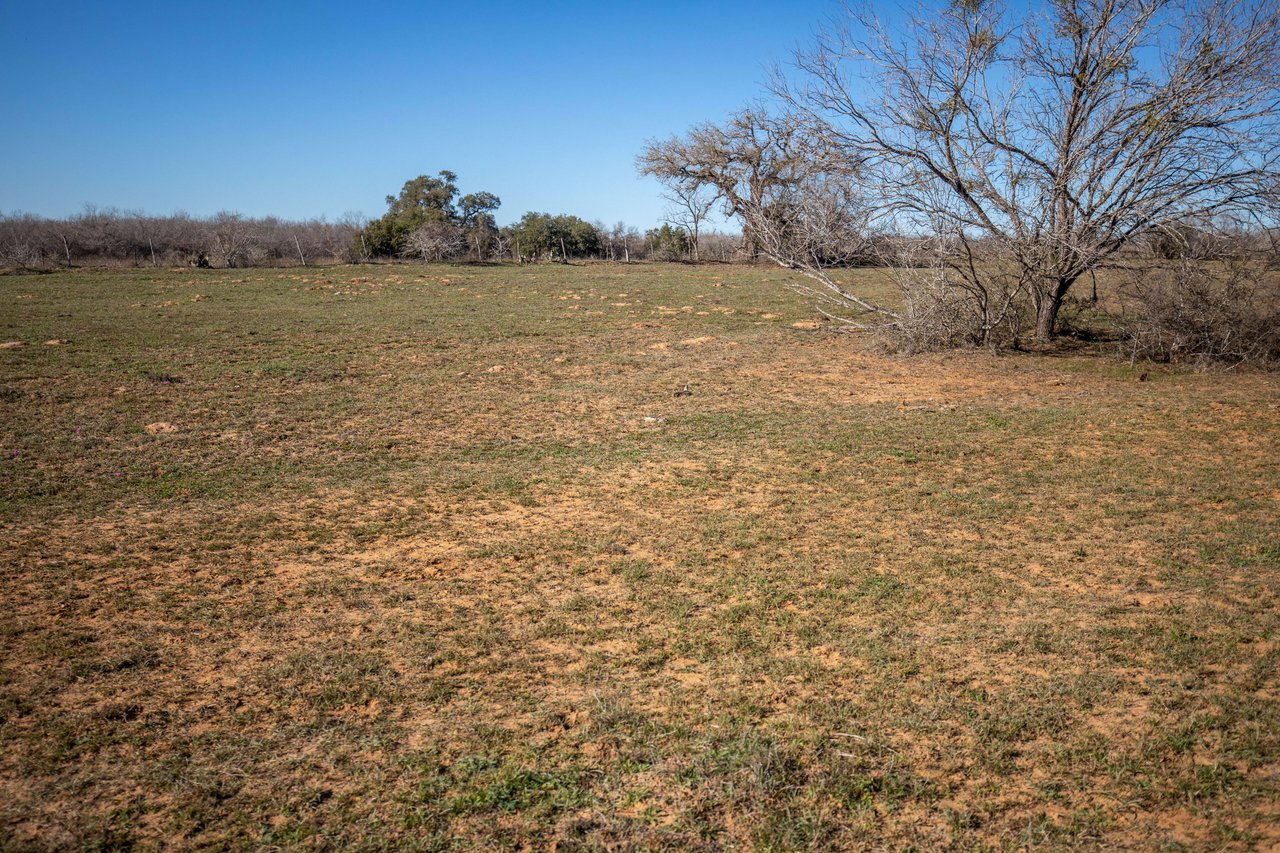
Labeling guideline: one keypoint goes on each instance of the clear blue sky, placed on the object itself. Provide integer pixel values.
(310, 109)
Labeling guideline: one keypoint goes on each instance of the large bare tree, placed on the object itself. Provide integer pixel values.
(798, 200)
(1012, 152)
(1048, 140)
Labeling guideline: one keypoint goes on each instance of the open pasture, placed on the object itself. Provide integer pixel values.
(431, 557)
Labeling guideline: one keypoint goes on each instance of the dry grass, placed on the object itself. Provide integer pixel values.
(434, 557)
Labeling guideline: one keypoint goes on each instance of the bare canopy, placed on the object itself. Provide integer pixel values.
(1046, 139)
(797, 200)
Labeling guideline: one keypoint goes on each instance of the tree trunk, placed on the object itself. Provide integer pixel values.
(1048, 307)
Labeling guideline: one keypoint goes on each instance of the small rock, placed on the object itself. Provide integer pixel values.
(807, 325)
(160, 428)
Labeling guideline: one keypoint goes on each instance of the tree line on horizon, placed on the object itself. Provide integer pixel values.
(431, 221)
(427, 220)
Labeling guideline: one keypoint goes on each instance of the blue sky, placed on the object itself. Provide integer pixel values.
(310, 109)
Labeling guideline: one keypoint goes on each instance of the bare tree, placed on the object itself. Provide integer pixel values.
(19, 241)
(232, 238)
(626, 237)
(722, 247)
(741, 160)
(1048, 141)
(690, 205)
(502, 247)
(799, 200)
(436, 241)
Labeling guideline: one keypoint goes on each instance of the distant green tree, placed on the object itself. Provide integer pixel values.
(474, 206)
(668, 243)
(482, 235)
(581, 238)
(383, 237)
(475, 215)
(541, 235)
(424, 200)
(427, 197)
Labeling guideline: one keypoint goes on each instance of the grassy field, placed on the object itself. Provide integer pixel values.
(434, 557)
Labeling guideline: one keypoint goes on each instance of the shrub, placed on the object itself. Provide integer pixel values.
(944, 308)
(1202, 313)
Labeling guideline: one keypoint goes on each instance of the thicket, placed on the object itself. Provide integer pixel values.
(1224, 311)
(113, 237)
